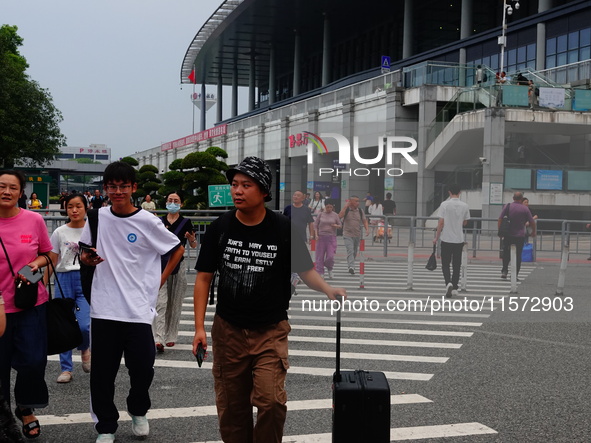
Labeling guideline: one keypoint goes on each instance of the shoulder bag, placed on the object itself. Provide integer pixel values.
(63, 330)
(432, 262)
(505, 224)
(25, 294)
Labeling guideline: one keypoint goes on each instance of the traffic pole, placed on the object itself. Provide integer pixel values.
(513, 269)
(464, 269)
(361, 264)
(313, 250)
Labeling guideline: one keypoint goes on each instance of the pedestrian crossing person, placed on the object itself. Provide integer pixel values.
(453, 216)
(254, 252)
(129, 246)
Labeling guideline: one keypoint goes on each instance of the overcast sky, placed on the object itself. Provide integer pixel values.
(113, 66)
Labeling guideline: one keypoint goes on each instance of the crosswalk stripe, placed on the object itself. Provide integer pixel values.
(399, 434)
(205, 411)
(344, 355)
(370, 330)
(356, 341)
(210, 313)
(301, 370)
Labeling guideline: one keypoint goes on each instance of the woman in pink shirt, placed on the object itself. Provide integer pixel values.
(23, 347)
(326, 225)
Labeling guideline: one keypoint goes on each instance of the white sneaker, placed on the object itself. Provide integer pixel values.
(330, 274)
(448, 290)
(454, 293)
(105, 437)
(140, 425)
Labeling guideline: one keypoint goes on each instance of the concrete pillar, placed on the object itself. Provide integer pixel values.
(425, 177)
(235, 91)
(285, 166)
(401, 121)
(297, 72)
(203, 107)
(240, 142)
(494, 167)
(272, 86)
(251, 84)
(407, 33)
(312, 170)
(580, 150)
(466, 26)
(326, 65)
(219, 98)
(543, 5)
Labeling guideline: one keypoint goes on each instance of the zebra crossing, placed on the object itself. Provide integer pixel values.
(410, 347)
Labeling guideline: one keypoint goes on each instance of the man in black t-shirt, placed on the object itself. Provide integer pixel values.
(300, 216)
(389, 205)
(97, 200)
(254, 252)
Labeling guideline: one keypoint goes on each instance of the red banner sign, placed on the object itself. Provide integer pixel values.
(216, 131)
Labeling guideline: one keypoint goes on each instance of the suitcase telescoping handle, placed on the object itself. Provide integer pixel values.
(337, 374)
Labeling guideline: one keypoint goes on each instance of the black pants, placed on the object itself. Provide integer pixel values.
(451, 253)
(110, 340)
(507, 242)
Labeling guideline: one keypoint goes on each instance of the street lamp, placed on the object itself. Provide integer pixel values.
(507, 10)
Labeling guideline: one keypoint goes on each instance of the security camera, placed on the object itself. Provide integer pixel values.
(483, 160)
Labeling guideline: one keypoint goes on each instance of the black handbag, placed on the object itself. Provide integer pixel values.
(25, 294)
(432, 262)
(505, 224)
(63, 330)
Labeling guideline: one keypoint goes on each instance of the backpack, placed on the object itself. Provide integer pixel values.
(224, 228)
(340, 230)
(86, 271)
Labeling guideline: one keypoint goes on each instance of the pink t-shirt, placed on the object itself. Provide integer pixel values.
(25, 237)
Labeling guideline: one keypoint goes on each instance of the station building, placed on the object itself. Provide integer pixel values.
(410, 89)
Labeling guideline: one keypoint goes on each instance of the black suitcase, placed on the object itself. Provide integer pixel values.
(360, 403)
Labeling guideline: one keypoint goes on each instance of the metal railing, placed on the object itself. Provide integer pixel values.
(391, 236)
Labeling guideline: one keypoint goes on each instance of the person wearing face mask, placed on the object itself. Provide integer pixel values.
(171, 294)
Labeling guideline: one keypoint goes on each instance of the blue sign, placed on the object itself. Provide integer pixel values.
(547, 179)
(582, 100)
(386, 64)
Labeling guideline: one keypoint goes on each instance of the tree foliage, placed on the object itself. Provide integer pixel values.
(148, 182)
(29, 122)
(193, 174)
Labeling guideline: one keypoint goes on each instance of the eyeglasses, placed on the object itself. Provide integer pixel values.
(121, 188)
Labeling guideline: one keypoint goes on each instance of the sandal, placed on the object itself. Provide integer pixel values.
(159, 348)
(31, 426)
(170, 344)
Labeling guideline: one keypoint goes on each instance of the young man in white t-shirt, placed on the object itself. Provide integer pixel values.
(453, 216)
(130, 242)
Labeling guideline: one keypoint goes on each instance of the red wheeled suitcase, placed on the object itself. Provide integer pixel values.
(360, 403)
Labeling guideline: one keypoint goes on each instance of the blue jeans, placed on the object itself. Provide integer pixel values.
(24, 348)
(70, 284)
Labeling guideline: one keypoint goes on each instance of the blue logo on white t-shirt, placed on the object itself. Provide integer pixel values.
(131, 238)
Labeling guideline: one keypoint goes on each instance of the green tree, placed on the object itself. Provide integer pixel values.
(29, 122)
(148, 182)
(130, 161)
(205, 169)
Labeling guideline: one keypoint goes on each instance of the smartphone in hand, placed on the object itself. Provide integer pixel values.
(32, 277)
(200, 356)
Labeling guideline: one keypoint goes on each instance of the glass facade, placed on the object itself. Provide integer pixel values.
(568, 48)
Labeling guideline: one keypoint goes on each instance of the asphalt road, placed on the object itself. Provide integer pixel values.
(471, 375)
